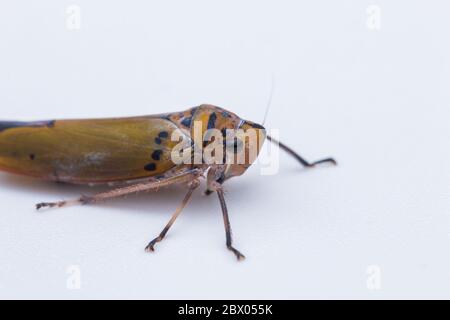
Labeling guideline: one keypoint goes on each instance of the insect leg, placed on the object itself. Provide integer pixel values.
(115, 193)
(226, 221)
(298, 157)
(192, 186)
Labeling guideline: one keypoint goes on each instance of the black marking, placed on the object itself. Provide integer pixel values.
(156, 155)
(256, 126)
(187, 122)
(224, 133)
(50, 124)
(158, 140)
(45, 204)
(221, 179)
(237, 146)
(150, 167)
(163, 134)
(4, 125)
(212, 121)
(32, 156)
(50, 205)
(12, 124)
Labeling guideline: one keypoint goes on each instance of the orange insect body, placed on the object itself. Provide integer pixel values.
(134, 150)
(103, 150)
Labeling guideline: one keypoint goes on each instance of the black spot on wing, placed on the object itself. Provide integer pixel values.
(156, 155)
(212, 120)
(163, 134)
(32, 156)
(150, 167)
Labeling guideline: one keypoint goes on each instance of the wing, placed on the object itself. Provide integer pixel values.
(88, 151)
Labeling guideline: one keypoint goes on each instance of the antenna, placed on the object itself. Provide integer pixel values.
(272, 87)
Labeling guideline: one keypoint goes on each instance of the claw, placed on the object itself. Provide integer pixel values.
(151, 245)
(236, 252)
(49, 205)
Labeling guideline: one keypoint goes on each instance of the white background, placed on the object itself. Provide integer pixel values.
(376, 100)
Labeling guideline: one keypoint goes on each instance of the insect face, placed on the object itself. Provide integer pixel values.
(240, 140)
(243, 148)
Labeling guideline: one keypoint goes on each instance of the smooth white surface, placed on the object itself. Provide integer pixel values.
(378, 101)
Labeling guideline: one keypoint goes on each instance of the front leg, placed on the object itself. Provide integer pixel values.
(226, 220)
(192, 186)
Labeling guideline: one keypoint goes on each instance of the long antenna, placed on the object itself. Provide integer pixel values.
(299, 158)
(269, 103)
(284, 147)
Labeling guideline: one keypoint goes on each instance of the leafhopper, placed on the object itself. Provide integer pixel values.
(139, 154)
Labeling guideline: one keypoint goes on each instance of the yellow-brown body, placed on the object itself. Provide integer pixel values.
(94, 151)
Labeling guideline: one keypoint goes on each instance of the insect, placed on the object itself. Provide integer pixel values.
(132, 154)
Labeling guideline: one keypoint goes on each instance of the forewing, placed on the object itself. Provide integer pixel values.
(88, 151)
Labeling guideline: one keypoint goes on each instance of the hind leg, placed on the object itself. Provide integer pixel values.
(184, 177)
